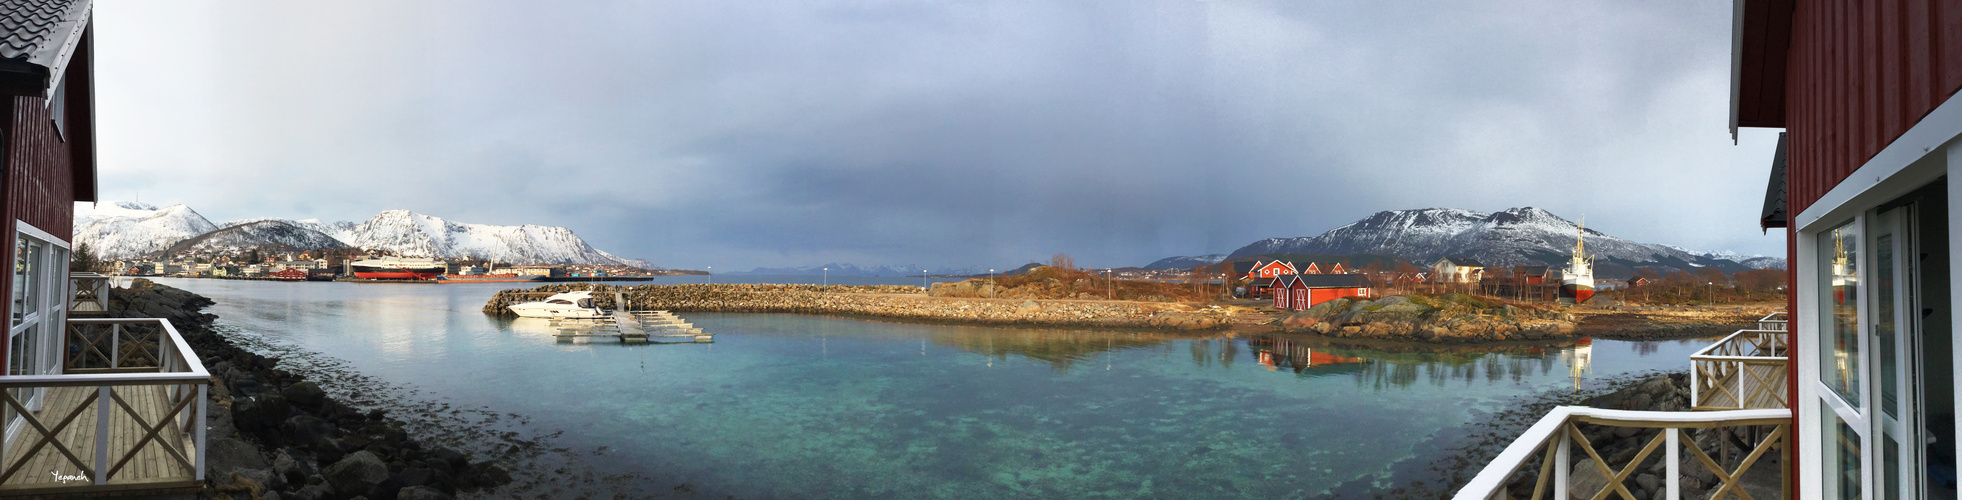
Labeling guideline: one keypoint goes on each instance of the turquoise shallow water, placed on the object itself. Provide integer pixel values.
(786, 406)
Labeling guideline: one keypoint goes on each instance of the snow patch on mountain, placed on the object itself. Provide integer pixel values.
(1517, 236)
(416, 235)
(273, 235)
(121, 230)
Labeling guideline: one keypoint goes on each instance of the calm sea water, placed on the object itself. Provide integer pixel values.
(787, 406)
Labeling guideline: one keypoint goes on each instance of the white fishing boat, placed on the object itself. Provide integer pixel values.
(1577, 284)
(569, 305)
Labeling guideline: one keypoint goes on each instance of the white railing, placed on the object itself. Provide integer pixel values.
(1552, 442)
(88, 294)
(1744, 370)
(112, 362)
(1773, 322)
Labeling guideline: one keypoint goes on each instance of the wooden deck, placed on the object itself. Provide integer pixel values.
(151, 469)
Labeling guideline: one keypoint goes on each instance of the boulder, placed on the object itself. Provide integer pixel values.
(305, 394)
(1326, 309)
(223, 455)
(357, 473)
(1584, 480)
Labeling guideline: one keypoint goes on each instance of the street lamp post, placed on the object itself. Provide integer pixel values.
(923, 283)
(991, 283)
(711, 271)
(827, 277)
(1109, 278)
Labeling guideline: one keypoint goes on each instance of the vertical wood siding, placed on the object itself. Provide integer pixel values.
(1860, 74)
(38, 186)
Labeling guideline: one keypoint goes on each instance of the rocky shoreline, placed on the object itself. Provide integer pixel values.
(275, 435)
(889, 302)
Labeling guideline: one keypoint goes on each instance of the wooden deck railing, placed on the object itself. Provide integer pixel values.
(126, 414)
(1538, 464)
(1772, 322)
(88, 294)
(1744, 370)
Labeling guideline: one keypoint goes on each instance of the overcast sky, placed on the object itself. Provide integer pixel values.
(985, 134)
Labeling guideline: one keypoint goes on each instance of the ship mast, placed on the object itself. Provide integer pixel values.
(1580, 246)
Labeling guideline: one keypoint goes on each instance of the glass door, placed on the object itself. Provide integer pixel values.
(1895, 338)
(1844, 428)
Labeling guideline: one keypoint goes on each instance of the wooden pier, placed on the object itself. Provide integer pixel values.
(632, 327)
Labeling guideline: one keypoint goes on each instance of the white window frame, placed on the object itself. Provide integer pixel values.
(51, 308)
(1924, 153)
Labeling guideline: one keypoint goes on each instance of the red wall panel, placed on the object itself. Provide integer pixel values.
(1860, 74)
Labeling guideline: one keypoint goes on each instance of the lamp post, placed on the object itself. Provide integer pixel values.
(827, 277)
(1108, 280)
(991, 283)
(923, 288)
(1709, 291)
(711, 271)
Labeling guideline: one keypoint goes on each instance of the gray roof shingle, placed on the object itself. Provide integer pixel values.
(36, 39)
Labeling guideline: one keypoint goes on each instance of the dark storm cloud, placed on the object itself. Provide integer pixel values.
(947, 134)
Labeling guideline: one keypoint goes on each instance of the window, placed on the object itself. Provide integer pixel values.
(38, 311)
(1839, 336)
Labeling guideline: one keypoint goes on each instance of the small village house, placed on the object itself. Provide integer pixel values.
(1457, 270)
(1302, 291)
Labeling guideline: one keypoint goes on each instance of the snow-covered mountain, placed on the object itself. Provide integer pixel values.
(837, 269)
(126, 229)
(129, 230)
(417, 235)
(1753, 261)
(1518, 236)
(1186, 262)
(272, 235)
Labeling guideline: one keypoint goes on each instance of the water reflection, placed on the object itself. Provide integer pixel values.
(1438, 365)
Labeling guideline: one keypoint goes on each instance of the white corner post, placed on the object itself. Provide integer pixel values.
(1954, 160)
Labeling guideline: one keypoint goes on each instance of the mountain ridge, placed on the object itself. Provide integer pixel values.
(1511, 237)
(122, 230)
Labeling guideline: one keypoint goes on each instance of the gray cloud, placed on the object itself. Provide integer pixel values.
(962, 133)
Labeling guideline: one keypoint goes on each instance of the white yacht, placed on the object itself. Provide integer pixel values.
(564, 305)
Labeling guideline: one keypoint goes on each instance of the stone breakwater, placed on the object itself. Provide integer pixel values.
(274, 434)
(886, 301)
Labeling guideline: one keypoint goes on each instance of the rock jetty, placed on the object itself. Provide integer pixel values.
(274, 434)
(1448, 318)
(906, 303)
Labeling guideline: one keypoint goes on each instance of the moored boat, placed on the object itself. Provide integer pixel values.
(397, 268)
(565, 305)
(1577, 285)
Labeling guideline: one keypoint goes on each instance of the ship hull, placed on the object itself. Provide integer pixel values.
(1575, 293)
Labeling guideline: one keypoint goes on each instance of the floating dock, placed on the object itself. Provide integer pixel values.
(632, 327)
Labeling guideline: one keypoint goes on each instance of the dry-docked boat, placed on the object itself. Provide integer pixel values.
(397, 268)
(570, 305)
(1577, 285)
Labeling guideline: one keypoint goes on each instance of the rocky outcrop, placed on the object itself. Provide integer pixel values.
(272, 433)
(889, 302)
(1449, 318)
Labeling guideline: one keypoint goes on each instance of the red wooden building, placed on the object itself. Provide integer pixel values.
(1865, 94)
(1273, 269)
(1302, 291)
(48, 152)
